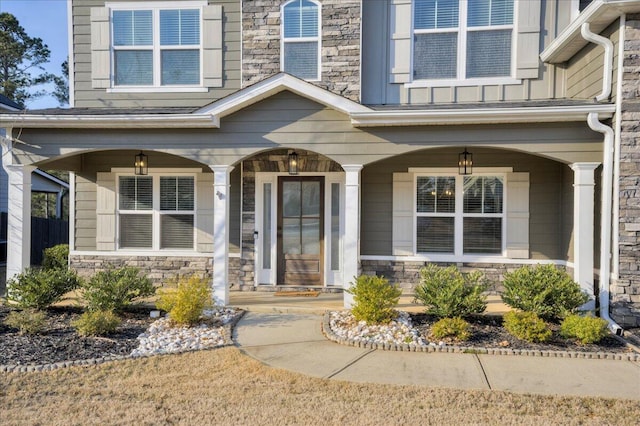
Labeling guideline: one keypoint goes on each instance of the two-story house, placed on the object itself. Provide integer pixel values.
(300, 143)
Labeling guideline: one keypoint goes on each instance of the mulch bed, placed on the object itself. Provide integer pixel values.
(60, 342)
(487, 332)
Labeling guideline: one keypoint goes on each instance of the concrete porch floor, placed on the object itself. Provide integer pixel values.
(267, 302)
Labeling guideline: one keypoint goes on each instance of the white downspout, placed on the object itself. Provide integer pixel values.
(605, 213)
(615, 229)
(608, 59)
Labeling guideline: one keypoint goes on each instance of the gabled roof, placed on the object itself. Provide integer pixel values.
(276, 84)
(8, 104)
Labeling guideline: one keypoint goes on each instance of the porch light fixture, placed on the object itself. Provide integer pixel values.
(465, 162)
(141, 164)
(293, 163)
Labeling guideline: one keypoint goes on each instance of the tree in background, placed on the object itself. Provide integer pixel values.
(21, 60)
(61, 83)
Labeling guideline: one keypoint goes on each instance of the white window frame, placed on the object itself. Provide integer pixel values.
(317, 39)
(155, 211)
(461, 59)
(459, 215)
(155, 8)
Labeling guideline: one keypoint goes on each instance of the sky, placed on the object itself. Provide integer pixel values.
(46, 19)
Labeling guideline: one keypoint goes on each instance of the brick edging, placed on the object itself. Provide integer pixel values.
(10, 368)
(330, 335)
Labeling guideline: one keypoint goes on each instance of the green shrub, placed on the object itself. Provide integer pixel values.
(448, 293)
(546, 290)
(38, 288)
(96, 323)
(28, 321)
(374, 299)
(527, 326)
(451, 327)
(185, 299)
(586, 329)
(56, 257)
(115, 289)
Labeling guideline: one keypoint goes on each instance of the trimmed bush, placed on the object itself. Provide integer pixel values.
(96, 323)
(374, 299)
(526, 326)
(28, 321)
(185, 300)
(448, 293)
(546, 290)
(56, 257)
(451, 327)
(115, 289)
(586, 329)
(38, 288)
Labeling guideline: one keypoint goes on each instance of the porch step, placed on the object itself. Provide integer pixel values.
(286, 288)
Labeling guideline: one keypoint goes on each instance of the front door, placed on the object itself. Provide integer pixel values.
(300, 230)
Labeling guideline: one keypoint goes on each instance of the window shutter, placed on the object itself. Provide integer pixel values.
(403, 232)
(518, 215)
(204, 213)
(400, 51)
(100, 48)
(212, 45)
(527, 39)
(105, 211)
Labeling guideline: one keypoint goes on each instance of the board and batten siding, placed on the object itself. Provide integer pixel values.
(585, 69)
(546, 184)
(86, 95)
(85, 211)
(387, 34)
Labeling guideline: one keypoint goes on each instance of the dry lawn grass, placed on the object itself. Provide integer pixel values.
(226, 387)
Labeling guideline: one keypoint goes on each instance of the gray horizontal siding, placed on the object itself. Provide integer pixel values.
(85, 212)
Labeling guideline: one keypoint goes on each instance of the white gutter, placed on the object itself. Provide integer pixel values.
(608, 59)
(439, 117)
(605, 213)
(116, 121)
(615, 271)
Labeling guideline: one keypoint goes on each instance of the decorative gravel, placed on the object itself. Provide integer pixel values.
(399, 331)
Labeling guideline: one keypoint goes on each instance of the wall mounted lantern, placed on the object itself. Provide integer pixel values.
(293, 163)
(141, 164)
(465, 162)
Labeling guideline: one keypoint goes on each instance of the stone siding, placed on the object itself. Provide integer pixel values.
(625, 291)
(340, 44)
(158, 268)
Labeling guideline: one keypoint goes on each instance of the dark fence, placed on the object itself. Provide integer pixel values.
(45, 233)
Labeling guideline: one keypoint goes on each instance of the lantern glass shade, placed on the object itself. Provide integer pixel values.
(141, 164)
(465, 163)
(293, 163)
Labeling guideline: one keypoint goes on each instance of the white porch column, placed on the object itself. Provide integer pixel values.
(583, 231)
(221, 234)
(351, 242)
(18, 217)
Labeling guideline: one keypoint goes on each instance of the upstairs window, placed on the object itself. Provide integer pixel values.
(301, 39)
(462, 39)
(156, 47)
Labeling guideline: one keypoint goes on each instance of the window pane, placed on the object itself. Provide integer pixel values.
(301, 59)
(432, 14)
(180, 67)
(483, 194)
(472, 194)
(435, 234)
(489, 53)
(482, 235)
(291, 236)
(136, 193)
(426, 195)
(300, 19)
(291, 199)
(179, 27)
(493, 194)
(136, 231)
(132, 28)
(436, 194)
(176, 231)
(266, 227)
(435, 56)
(310, 236)
(335, 226)
(133, 67)
(310, 199)
(176, 193)
(490, 12)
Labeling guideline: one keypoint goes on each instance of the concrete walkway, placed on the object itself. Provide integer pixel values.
(294, 342)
